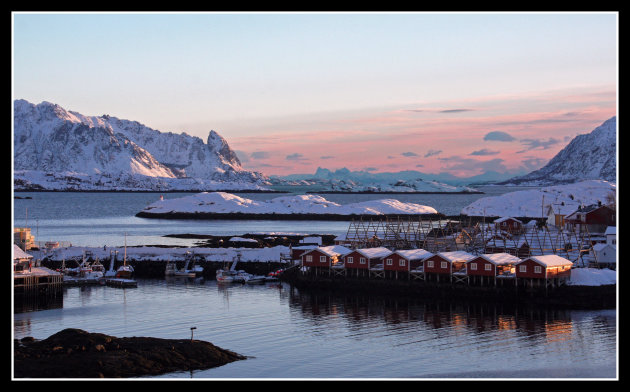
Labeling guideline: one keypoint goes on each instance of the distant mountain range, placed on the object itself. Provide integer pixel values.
(587, 157)
(59, 149)
(591, 156)
(365, 177)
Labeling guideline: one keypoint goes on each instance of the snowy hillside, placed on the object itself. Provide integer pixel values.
(109, 153)
(591, 156)
(226, 203)
(530, 203)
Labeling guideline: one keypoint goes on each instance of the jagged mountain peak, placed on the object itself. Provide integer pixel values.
(49, 138)
(590, 156)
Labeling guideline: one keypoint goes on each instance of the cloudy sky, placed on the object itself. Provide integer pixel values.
(436, 92)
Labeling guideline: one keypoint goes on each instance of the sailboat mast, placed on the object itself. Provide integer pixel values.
(125, 257)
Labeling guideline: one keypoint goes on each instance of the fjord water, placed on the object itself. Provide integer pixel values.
(290, 333)
(287, 333)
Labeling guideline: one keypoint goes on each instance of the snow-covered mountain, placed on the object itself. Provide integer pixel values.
(344, 180)
(57, 149)
(590, 156)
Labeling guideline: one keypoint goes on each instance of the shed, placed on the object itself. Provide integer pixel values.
(21, 259)
(605, 254)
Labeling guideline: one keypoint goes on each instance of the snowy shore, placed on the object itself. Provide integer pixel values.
(579, 276)
(534, 202)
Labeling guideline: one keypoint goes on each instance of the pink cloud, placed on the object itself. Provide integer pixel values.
(544, 122)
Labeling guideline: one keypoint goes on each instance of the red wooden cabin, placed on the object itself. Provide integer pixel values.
(492, 264)
(446, 263)
(323, 256)
(544, 267)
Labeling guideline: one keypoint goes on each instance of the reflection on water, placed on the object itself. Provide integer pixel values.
(290, 333)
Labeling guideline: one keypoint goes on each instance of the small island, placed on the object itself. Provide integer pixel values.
(222, 205)
(74, 353)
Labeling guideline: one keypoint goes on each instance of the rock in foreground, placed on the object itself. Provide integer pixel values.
(74, 353)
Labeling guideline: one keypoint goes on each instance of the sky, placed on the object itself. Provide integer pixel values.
(462, 93)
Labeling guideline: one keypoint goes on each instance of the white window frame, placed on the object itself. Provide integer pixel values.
(389, 261)
(487, 267)
(322, 259)
(537, 269)
(362, 260)
(402, 262)
(430, 264)
(350, 260)
(522, 268)
(473, 266)
(309, 258)
(443, 265)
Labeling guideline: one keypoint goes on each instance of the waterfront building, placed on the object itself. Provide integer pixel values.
(490, 266)
(23, 238)
(409, 261)
(322, 258)
(446, 263)
(550, 269)
(368, 260)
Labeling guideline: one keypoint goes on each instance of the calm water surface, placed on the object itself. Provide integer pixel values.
(291, 334)
(102, 218)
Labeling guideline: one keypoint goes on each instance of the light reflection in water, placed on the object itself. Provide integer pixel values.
(298, 334)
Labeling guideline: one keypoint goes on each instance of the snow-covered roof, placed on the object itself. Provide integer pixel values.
(611, 230)
(414, 254)
(500, 258)
(506, 218)
(374, 253)
(456, 256)
(549, 260)
(18, 253)
(600, 247)
(333, 250)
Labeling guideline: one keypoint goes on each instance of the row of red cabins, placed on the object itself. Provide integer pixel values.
(457, 266)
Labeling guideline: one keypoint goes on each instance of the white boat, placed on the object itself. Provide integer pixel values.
(255, 279)
(226, 276)
(125, 271)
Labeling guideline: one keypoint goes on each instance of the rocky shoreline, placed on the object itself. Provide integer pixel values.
(74, 353)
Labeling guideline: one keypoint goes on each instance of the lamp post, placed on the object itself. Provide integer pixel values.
(191, 332)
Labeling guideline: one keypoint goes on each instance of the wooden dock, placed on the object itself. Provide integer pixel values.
(37, 281)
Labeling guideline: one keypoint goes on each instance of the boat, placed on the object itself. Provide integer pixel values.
(172, 270)
(255, 279)
(125, 271)
(231, 275)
